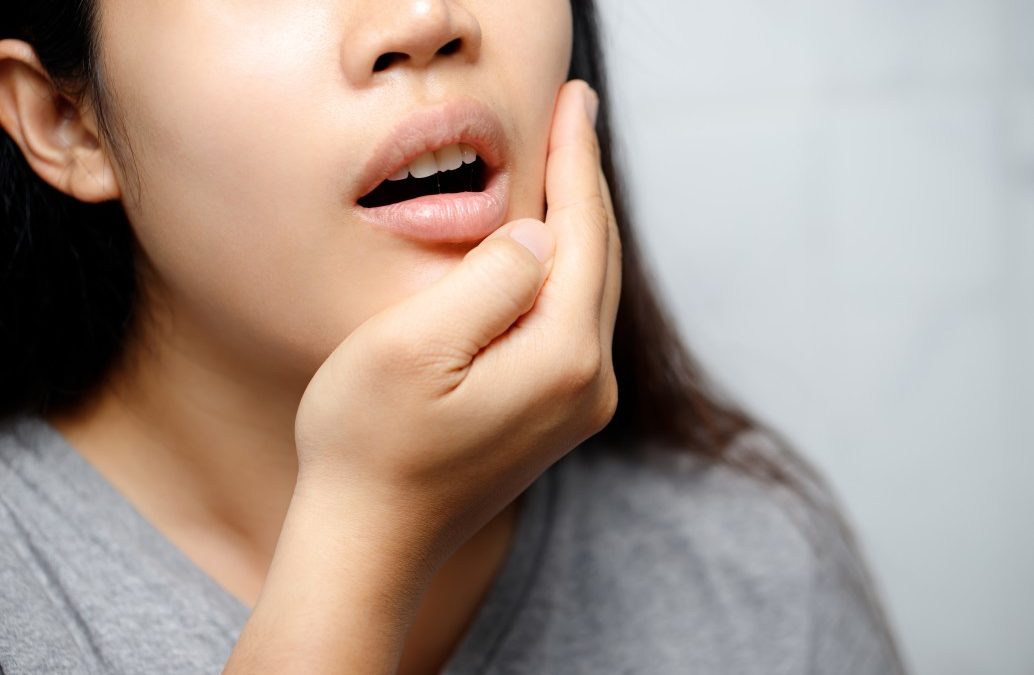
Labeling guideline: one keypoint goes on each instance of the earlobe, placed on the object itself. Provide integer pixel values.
(57, 140)
(90, 176)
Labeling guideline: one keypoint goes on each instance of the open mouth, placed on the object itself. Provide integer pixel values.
(452, 169)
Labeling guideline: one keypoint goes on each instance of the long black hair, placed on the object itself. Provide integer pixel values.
(68, 284)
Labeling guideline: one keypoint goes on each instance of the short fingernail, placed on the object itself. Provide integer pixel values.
(592, 104)
(536, 237)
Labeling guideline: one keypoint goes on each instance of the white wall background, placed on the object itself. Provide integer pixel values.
(838, 196)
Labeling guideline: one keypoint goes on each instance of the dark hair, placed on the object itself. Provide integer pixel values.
(67, 282)
(68, 293)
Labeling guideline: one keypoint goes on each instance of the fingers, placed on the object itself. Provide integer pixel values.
(612, 283)
(580, 206)
(573, 161)
(497, 281)
(496, 284)
(576, 210)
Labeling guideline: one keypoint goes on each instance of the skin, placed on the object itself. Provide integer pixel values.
(248, 124)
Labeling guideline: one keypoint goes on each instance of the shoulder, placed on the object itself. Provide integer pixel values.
(717, 508)
(767, 567)
(13, 440)
(36, 634)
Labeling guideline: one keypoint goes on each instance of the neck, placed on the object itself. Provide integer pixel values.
(199, 438)
(199, 442)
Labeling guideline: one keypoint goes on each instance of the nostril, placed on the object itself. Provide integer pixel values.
(385, 60)
(388, 59)
(450, 47)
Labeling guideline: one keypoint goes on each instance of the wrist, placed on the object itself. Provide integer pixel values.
(341, 592)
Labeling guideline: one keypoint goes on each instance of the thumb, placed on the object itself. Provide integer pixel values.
(496, 282)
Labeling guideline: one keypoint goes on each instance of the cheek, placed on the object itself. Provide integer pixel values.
(240, 210)
(239, 148)
(529, 45)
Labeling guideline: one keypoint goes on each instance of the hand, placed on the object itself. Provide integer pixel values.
(437, 412)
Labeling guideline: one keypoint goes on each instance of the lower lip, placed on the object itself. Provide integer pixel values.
(445, 218)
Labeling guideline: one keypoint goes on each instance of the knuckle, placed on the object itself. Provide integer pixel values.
(591, 208)
(608, 403)
(591, 215)
(601, 404)
(413, 363)
(597, 419)
(583, 369)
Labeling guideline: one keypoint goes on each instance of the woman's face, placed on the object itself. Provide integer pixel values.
(253, 124)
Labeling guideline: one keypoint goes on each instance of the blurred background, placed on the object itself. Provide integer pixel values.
(838, 198)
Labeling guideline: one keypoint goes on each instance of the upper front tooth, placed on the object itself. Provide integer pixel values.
(449, 157)
(423, 166)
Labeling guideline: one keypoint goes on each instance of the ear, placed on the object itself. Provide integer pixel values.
(59, 141)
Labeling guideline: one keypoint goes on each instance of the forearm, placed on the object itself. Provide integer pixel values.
(339, 597)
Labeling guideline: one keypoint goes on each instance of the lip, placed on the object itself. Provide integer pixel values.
(442, 218)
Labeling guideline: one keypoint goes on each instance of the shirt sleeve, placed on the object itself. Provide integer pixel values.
(34, 635)
(850, 632)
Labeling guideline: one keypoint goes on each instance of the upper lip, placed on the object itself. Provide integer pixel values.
(465, 120)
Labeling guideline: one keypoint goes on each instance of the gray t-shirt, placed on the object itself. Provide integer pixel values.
(647, 563)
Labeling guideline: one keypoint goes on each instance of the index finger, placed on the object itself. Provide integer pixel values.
(572, 167)
(575, 208)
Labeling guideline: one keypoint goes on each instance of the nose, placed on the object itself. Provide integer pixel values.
(407, 34)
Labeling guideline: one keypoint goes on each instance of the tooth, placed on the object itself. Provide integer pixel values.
(468, 153)
(401, 174)
(449, 157)
(423, 166)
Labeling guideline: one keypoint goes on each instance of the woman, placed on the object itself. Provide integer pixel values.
(314, 358)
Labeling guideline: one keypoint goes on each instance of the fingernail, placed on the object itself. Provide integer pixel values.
(592, 104)
(534, 236)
